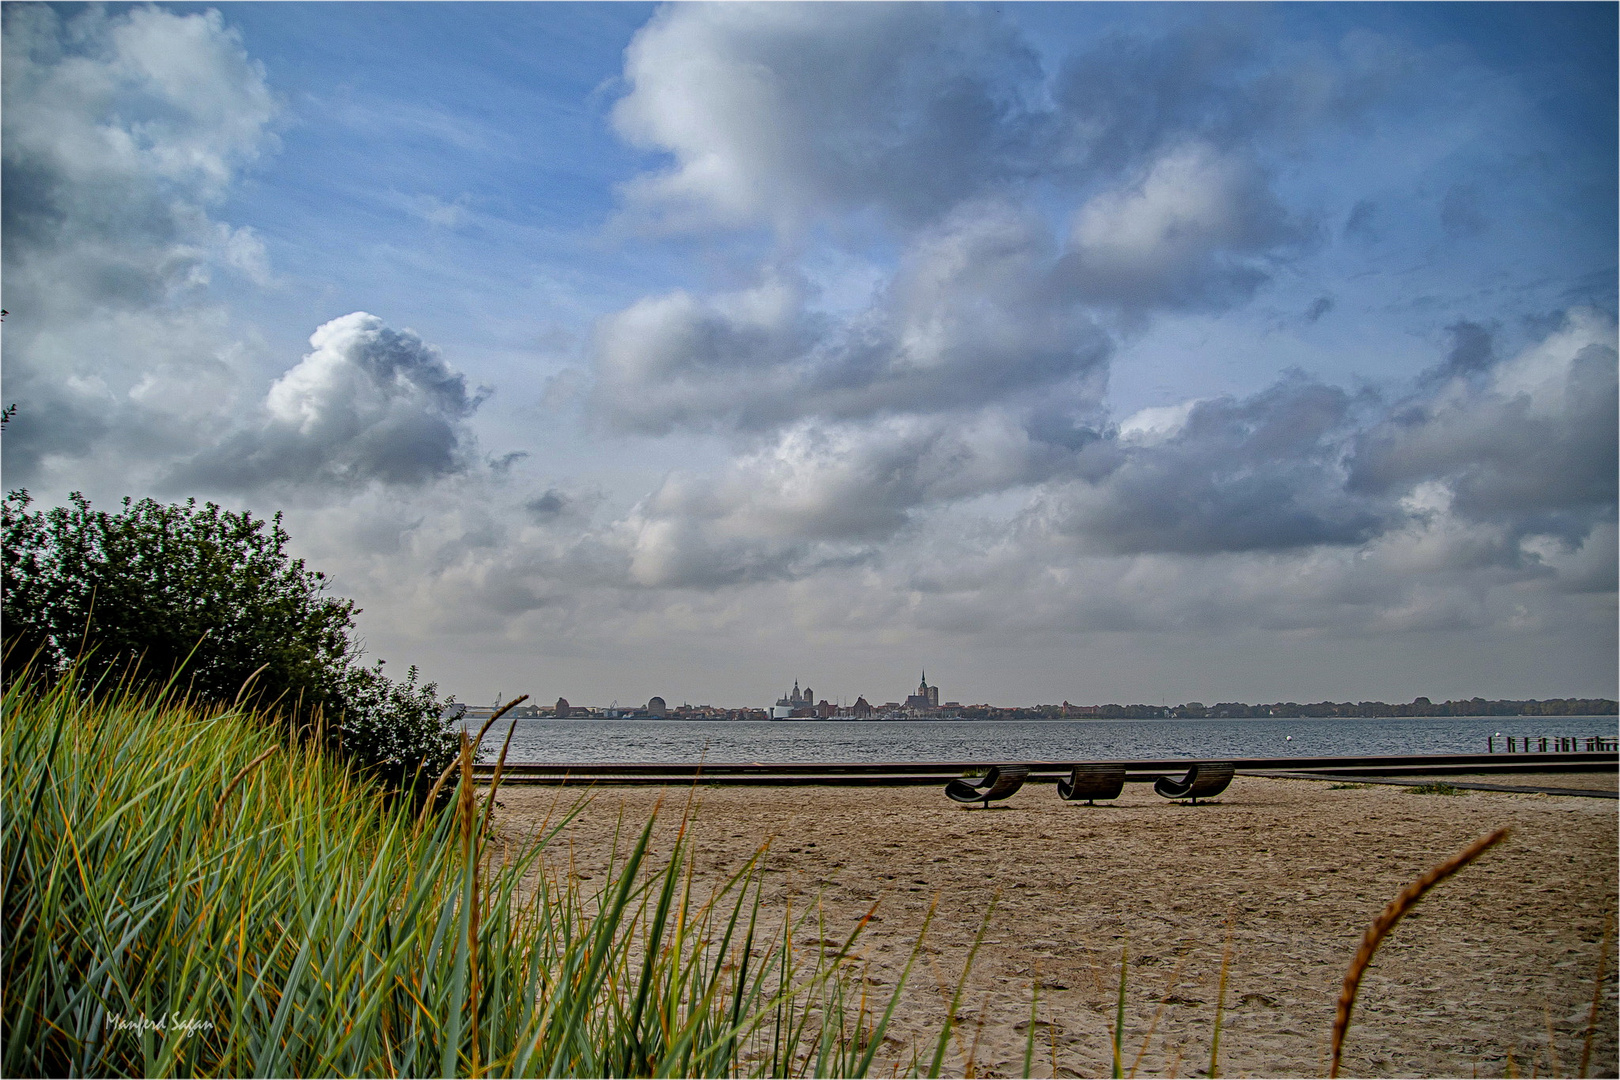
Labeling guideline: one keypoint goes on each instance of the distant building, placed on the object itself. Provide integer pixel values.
(563, 710)
(656, 708)
(861, 709)
(926, 697)
(792, 703)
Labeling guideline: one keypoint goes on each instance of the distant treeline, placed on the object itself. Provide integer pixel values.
(1197, 710)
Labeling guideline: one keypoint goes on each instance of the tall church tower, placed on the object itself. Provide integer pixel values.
(927, 694)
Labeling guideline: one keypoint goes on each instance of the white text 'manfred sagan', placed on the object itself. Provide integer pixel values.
(171, 1023)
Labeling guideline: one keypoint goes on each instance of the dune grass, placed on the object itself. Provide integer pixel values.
(1436, 787)
(186, 895)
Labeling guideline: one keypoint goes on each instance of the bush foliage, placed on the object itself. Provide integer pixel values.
(211, 599)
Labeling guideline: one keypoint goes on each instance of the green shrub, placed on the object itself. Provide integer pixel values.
(211, 599)
(395, 728)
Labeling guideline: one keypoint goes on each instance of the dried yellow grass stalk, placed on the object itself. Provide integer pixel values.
(1220, 997)
(247, 682)
(219, 807)
(1381, 926)
(495, 781)
(433, 792)
(1597, 991)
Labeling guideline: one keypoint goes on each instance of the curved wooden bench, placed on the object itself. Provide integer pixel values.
(1091, 782)
(1203, 780)
(1000, 782)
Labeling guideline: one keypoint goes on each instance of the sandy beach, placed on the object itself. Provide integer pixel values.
(1493, 972)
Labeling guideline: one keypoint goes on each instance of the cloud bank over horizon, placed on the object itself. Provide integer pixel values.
(1077, 360)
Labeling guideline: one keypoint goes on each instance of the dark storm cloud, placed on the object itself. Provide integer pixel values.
(1259, 474)
(1263, 474)
(47, 426)
(1453, 480)
(369, 403)
(1532, 443)
(1525, 446)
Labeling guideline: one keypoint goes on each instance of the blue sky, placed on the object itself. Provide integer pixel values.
(1087, 352)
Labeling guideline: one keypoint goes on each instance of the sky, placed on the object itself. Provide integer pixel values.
(1088, 352)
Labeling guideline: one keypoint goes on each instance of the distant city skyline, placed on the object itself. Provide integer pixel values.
(925, 701)
(1103, 353)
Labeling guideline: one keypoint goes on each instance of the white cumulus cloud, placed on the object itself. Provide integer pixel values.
(366, 403)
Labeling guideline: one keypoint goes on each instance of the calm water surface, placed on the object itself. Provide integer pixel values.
(722, 741)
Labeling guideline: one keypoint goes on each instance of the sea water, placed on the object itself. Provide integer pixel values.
(735, 742)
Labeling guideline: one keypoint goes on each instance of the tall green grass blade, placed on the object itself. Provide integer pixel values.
(1029, 1035)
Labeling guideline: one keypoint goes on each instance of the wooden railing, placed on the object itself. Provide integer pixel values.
(1554, 744)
